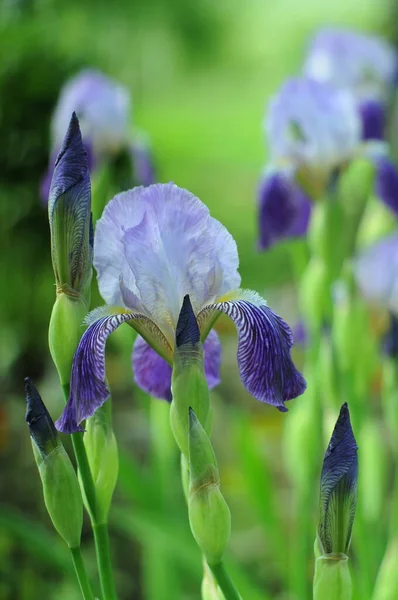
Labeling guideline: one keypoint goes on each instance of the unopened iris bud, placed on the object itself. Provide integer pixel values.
(332, 578)
(189, 385)
(102, 454)
(69, 211)
(338, 488)
(209, 515)
(61, 491)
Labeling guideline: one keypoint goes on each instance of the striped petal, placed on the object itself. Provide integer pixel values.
(264, 343)
(153, 374)
(88, 389)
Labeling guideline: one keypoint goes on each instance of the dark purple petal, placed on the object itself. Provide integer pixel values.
(373, 120)
(153, 374)
(88, 390)
(143, 164)
(187, 331)
(41, 426)
(387, 183)
(264, 343)
(284, 210)
(339, 487)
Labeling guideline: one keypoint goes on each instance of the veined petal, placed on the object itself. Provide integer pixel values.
(284, 210)
(153, 374)
(264, 343)
(88, 389)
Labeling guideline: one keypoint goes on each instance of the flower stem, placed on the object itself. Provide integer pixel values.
(81, 574)
(224, 582)
(104, 561)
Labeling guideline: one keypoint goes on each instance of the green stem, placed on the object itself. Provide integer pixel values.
(81, 574)
(104, 561)
(224, 582)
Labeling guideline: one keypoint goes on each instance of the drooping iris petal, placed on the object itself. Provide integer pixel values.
(364, 64)
(103, 107)
(88, 389)
(387, 182)
(373, 120)
(339, 487)
(311, 124)
(161, 243)
(376, 273)
(284, 210)
(153, 374)
(264, 343)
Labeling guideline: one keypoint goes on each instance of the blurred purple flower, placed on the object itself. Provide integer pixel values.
(376, 273)
(153, 246)
(104, 110)
(339, 482)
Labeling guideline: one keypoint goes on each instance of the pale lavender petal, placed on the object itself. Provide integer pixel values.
(153, 374)
(387, 183)
(264, 343)
(373, 115)
(162, 243)
(284, 210)
(143, 164)
(103, 107)
(312, 124)
(364, 64)
(88, 389)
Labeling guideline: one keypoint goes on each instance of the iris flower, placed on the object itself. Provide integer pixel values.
(103, 107)
(152, 247)
(312, 129)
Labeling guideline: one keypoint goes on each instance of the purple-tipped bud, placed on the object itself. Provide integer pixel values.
(69, 210)
(41, 427)
(338, 488)
(187, 326)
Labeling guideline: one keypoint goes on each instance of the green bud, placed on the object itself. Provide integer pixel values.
(103, 458)
(61, 491)
(65, 331)
(386, 587)
(209, 515)
(189, 385)
(332, 579)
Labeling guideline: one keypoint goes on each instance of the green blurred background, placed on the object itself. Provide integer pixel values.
(200, 73)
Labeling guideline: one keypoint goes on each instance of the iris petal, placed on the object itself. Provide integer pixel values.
(88, 389)
(264, 343)
(387, 183)
(153, 375)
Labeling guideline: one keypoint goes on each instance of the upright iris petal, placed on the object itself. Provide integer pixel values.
(364, 64)
(338, 488)
(153, 247)
(284, 210)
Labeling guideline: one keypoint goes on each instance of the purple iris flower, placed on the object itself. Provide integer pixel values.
(104, 110)
(376, 273)
(152, 247)
(312, 129)
(339, 481)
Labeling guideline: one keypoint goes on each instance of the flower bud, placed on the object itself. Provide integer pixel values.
(61, 491)
(209, 515)
(338, 488)
(332, 578)
(189, 385)
(69, 212)
(102, 454)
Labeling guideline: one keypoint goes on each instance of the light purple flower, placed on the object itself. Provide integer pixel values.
(363, 64)
(311, 125)
(152, 247)
(376, 273)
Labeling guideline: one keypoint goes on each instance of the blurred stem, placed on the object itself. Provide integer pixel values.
(224, 582)
(101, 538)
(81, 574)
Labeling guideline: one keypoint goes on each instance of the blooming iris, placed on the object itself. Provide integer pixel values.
(152, 247)
(104, 109)
(312, 129)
